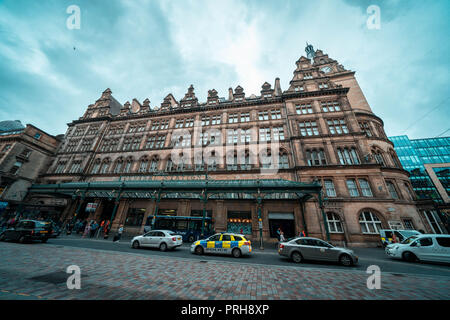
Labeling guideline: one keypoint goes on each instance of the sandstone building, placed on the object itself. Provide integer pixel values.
(133, 161)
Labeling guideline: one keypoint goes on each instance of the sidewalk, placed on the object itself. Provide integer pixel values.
(38, 272)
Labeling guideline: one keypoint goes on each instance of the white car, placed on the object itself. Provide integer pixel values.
(162, 239)
(424, 247)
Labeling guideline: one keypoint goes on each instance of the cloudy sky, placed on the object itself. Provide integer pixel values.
(49, 74)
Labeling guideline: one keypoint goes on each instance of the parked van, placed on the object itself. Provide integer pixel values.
(401, 235)
(425, 247)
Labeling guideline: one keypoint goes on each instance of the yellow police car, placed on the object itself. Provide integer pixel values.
(223, 243)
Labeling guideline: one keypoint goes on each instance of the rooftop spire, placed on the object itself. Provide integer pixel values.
(310, 53)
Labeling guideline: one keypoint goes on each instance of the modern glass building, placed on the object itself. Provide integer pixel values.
(428, 161)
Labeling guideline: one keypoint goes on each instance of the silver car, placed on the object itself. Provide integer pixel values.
(306, 248)
(162, 239)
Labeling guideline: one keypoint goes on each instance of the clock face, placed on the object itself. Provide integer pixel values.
(326, 69)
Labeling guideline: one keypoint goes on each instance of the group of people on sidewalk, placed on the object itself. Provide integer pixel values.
(281, 237)
(92, 228)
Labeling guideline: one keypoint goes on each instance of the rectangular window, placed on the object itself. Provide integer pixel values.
(392, 190)
(304, 109)
(216, 119)
(308, 128)
(408, 223)
(264, 134)
(15, 168)
(275, 114)
(337, 126)
(278, 134)
(352, 188)
(233, 118)
(329, 188)
(205, 121)
(330, 106)
(263, 115)
(365, 188)
(245, 117)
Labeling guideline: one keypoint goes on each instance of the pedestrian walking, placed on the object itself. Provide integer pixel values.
(106, 228)
(94, 227)
(282, 238)
(87, 230)
(279, 234)
(119, 234)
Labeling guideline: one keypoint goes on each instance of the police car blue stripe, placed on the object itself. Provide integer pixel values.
(218, 244)
(234, 244)
(203, 243)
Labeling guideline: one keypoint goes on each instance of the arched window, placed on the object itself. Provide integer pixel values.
(143, 165)
(154, 164)
(169, 165)
(105, 166)
(245, 161)
(283, 160)
(334, 223)
(119, 166)
(266, 160)
(96, 166)
(348, 155)
(394, 158)
(128, 165)
(369, 222)
(316, 157)
(378, 156)
(232, 161)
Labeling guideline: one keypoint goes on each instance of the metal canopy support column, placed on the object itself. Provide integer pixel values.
(259, 204)
(155, 212)
(204, 200)
(324, 216)
(116, 203)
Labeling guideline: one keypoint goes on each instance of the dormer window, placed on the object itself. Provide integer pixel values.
(323, 85)
(307, 76)
(239, 99)
(267, 95)
(299, 89)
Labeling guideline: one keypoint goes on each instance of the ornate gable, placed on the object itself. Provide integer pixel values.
(213, 98)
(169, 103)
(189, 100)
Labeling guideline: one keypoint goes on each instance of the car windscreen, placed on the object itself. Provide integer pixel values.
(409, 240)
(408, 233)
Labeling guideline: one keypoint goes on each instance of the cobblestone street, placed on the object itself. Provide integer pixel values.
(122, 275)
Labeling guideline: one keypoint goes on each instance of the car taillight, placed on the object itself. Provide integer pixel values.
(32, 231)
(174, 239)
(247, 243)
(281, 246)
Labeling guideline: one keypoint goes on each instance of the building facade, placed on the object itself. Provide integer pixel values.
(428, 161)
(26, 152)
(320, 131)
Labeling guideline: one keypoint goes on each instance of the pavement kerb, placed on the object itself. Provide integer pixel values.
(258, 264)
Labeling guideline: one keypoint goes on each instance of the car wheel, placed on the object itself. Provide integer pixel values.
(22, 239)
(136, 244)
(409, 256)
(163, 247)
(191, 238)
(296, 257)
(345, 260)
(236, 253)
(199, 250)
(44, 240)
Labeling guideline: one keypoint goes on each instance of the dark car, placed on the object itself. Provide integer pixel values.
(56, 230)
(27, 230)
